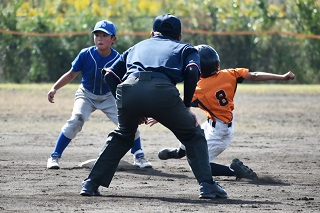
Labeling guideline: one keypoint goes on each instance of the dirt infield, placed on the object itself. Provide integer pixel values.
(276, 133)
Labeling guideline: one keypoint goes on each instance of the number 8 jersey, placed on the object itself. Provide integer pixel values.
(215, 94)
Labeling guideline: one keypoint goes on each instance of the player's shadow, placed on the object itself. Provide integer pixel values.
(262, 180)
(196, 201)
(125, 166)
(128, 167)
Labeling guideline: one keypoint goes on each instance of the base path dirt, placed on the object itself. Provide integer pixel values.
(276, 134)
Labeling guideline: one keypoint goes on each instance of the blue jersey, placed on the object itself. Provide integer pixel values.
(158, 54)
(90, 63)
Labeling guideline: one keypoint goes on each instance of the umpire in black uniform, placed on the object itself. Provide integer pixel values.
(148, 73)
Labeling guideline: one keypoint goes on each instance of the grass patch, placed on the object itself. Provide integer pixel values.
(34, 86)
(279, 88)
(274, 88)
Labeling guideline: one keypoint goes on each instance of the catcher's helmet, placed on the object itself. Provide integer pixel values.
(209, 60)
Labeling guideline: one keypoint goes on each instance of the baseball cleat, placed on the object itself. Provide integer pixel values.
(242, 171)
(171, 153)
(53, 163)
(89, 189)
(212, 191)
(141, 162)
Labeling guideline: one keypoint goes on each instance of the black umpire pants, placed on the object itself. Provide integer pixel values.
(158, 98)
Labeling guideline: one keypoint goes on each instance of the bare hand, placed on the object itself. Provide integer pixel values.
(151, 122)
(143, 120)
(289, 76)
(51, 94)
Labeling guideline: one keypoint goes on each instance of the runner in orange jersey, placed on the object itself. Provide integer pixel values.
(214, 94)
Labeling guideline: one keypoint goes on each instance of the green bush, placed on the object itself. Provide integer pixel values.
(45, 58)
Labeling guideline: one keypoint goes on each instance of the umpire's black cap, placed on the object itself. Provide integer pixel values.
(167, 25)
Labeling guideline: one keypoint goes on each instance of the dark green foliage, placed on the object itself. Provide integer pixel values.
(45, 59)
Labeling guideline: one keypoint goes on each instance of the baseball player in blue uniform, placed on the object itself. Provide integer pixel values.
(93, 93)
(151, 69)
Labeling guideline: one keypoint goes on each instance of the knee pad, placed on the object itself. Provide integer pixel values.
(73, 126)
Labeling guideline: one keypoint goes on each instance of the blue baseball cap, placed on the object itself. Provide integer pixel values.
(167, 24)
(105, 26)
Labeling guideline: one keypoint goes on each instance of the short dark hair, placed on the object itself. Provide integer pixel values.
(167, 25)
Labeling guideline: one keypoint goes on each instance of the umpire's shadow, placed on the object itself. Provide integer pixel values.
(201, 202)
(125, 166)
(128, 167)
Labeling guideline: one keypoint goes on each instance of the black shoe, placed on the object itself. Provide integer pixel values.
(89, 189)
(169, 153)
(212, 191)
(242, 171)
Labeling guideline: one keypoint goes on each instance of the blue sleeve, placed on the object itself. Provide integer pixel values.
(191, 75)
(119, 66)
(190, 83)
(191, 56)
(76, 65)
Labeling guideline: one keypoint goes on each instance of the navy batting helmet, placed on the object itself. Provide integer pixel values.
(209, 60)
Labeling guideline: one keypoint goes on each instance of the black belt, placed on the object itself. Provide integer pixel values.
(214, 123)
(147, 75)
